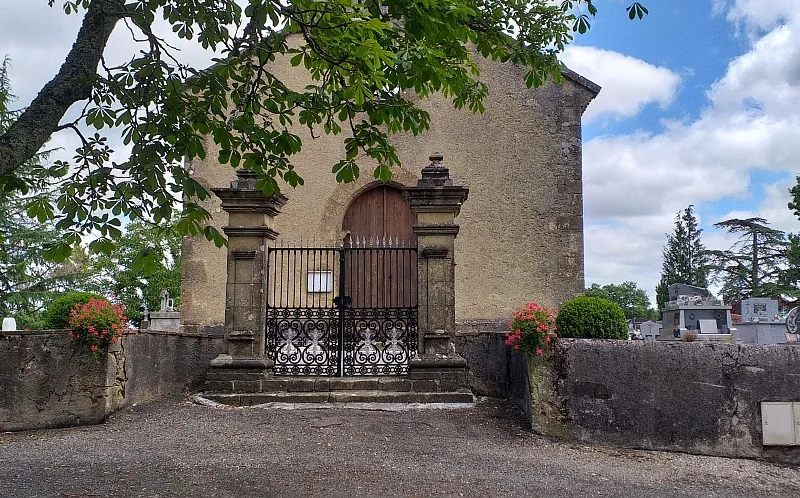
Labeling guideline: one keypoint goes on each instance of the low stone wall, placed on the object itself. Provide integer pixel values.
(46, 383)
(167, 363)
(695, 397)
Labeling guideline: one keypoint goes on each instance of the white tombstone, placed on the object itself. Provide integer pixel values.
(650, 330)
(9, 324)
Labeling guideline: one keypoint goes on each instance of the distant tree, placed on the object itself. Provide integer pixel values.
(685, 260)
(633, 300)
(794, 204)
(28, 281)
(145, 260)
(790, 279)
(754, 265)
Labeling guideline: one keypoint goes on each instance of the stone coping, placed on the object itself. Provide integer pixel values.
(10, 333)
(178, 333)
(23, 333)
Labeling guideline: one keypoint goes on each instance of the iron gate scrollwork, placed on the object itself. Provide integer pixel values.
(342, 311)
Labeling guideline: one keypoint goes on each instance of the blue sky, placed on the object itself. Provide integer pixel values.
(700, 105)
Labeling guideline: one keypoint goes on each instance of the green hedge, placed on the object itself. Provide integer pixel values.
(592, 318)
(57, 315)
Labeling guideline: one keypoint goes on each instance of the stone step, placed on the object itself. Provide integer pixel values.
(341, 396)
(309, 384)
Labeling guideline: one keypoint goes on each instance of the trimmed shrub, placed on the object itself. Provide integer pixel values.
(57, 315)
(592, 318)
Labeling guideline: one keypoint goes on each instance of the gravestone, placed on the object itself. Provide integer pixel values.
(167, 318)
(759, 309)
(649, 330)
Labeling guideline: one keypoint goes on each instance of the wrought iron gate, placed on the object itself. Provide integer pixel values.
(342, 311)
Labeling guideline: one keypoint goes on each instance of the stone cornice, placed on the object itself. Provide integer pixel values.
(250, 201)
(436, 230)
(243, 254)
(250, 231)
(435, 252)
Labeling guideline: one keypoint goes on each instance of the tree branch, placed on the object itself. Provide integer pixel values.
(73, 83)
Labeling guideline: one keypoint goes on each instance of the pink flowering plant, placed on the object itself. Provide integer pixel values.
(530, 328)
(97, 324)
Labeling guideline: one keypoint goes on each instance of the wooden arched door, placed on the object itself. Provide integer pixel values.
(382, 270)
(380, 212)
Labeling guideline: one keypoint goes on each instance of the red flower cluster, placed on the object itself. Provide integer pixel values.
(97, 324)
(530, 327)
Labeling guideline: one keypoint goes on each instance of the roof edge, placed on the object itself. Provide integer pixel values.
(580, 80)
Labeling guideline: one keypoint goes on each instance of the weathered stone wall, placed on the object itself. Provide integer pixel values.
(495, 369)
(694, 397)
(166, 363)
(521, 235)
(46, 383)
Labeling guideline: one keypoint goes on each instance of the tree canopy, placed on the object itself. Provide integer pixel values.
(362, 55)
(755, 264)
(685, 260)
(633, 300)
(28, 281)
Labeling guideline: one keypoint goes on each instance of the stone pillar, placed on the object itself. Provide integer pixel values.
(250, 231)
(436, 200)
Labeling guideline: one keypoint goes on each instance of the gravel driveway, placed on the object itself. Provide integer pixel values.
(178, 448)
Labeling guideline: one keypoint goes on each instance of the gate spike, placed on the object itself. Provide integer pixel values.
(397, 242)
(384, 241)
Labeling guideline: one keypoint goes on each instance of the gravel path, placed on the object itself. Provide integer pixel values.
(177, 448)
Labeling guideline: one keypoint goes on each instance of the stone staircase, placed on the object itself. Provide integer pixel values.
(252, 391)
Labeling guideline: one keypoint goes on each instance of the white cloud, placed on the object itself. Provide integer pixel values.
(758, 15)
(634, 184)
(629, 84)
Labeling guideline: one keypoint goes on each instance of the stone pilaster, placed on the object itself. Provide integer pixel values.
(250, 231)
(436, 200)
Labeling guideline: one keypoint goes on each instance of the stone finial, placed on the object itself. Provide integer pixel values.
(436, 173)
(436, 191)
(245, 179)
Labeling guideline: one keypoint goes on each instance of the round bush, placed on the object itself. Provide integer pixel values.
(592, 318)
(57, 315)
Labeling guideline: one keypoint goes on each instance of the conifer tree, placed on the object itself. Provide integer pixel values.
(755, 264)
(685, 257)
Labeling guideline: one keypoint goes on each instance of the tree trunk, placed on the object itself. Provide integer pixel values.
(73, 83)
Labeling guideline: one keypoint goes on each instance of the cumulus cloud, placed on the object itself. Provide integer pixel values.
(629, 84)
(634, 184)
(756, 15)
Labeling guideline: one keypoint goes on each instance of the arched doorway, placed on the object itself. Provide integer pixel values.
(376, 221)
(380, 212)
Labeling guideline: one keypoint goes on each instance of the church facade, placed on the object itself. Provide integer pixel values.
(521, 229)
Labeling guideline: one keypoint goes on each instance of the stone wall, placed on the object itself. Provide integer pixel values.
(695, 397)
(45, 383)
(167, 363)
